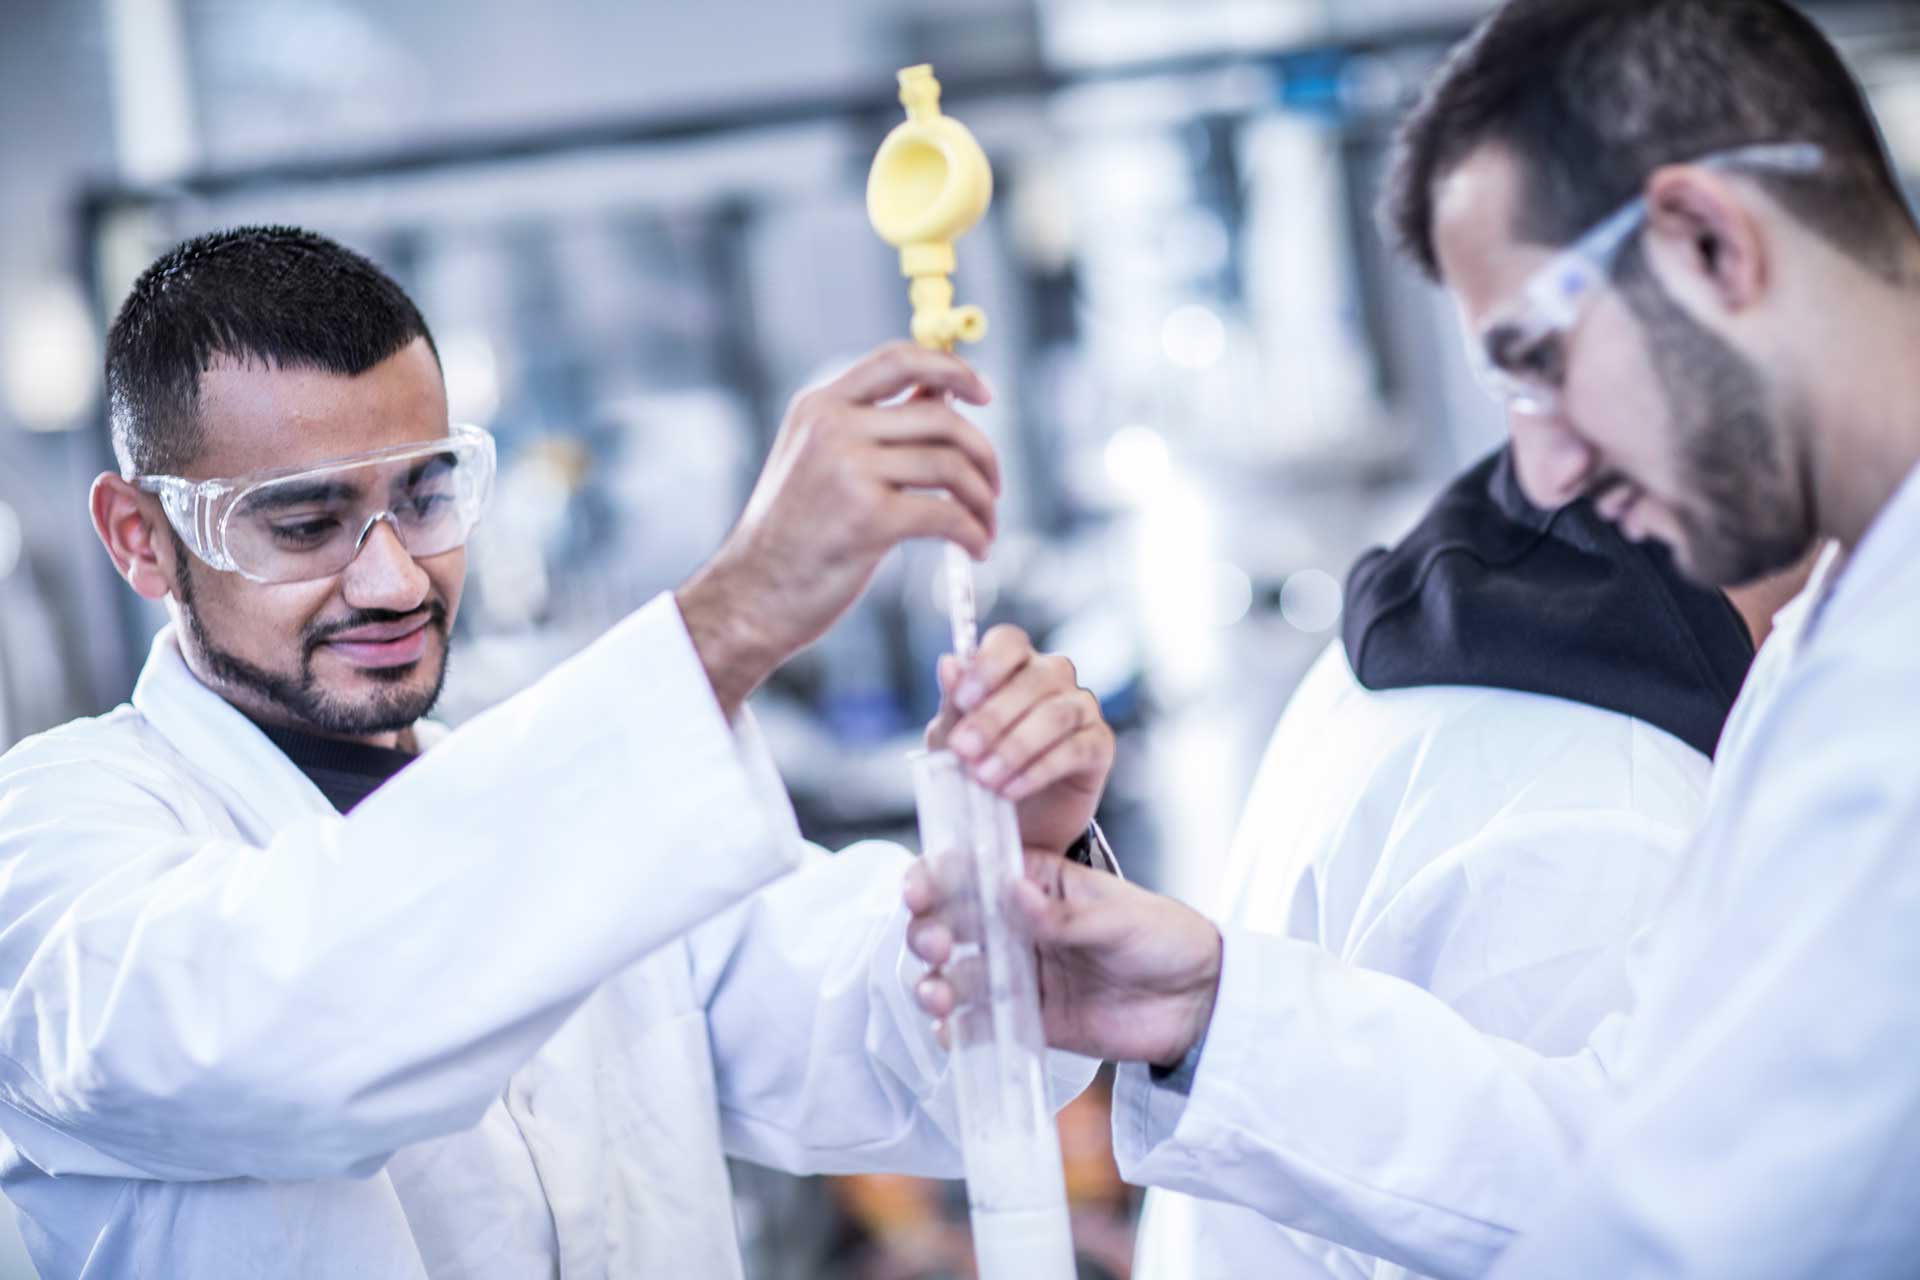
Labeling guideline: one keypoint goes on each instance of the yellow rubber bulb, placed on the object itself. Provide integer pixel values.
(930, 184)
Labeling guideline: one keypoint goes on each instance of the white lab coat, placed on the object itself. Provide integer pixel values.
(512, 1010)
(1751, 1114)
(1769, 1123)
(1498, 849)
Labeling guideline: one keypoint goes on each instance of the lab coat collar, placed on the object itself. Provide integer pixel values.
(208, 731)
(1794, 619)
(1888, 545)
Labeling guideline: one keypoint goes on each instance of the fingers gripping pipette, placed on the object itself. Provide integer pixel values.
(929, 185)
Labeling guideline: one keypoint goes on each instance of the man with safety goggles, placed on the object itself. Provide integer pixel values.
(304, 524)
(1676, 238)
(289, 993)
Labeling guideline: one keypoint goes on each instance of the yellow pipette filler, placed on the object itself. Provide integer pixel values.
(930, 184)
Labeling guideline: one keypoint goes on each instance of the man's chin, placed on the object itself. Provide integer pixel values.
(1725, 565)
(347, 698)
(358, 716)
(393, 696)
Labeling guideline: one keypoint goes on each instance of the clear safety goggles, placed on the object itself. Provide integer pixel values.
(303, 523)
(1521, 359)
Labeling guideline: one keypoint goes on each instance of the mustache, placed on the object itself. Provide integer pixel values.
(434, 612)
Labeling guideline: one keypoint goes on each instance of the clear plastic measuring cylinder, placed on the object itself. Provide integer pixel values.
(1016, 1193)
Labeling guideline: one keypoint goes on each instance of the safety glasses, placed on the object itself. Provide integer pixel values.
(301, 524)
(1521, 358)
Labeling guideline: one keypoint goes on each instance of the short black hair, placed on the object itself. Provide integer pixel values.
(1594, 95)
(281, 296)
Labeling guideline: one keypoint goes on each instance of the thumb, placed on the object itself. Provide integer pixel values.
(1044, 919)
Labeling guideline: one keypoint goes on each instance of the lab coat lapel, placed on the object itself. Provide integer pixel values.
(253, 776)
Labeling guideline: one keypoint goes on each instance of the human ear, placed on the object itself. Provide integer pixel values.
(1705, 239)
(130, 525)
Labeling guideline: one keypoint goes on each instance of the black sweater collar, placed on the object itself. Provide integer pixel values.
(345, 772)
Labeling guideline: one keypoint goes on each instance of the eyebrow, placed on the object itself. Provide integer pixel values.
(281, 497)
(449, 459)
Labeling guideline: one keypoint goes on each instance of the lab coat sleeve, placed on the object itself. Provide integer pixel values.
(824, 1062)
(1360, 1108)
(1524, 931)
(184, 1007)
(1773, 1124)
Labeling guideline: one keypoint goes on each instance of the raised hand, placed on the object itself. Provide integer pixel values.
(849, 477)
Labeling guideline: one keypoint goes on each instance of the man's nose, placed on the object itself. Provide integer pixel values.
(383, 575)
(1553, 464)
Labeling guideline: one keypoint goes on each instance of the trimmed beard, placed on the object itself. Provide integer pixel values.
(301, 700)
(1746, 516)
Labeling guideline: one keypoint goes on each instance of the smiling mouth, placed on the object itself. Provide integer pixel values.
(386, 645)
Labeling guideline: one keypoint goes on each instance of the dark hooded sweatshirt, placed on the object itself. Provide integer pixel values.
(1490, 591)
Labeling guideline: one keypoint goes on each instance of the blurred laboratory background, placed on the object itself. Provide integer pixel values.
(637, 228)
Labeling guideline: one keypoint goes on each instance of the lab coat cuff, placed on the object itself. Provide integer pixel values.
(1179, 1078)
(763, 779)
(1068, 1075)
(930, 1060)
(1146, 1116)
(1162, 1121)
(749, 746)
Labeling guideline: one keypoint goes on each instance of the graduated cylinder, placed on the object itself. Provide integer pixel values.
(1016, 1193)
